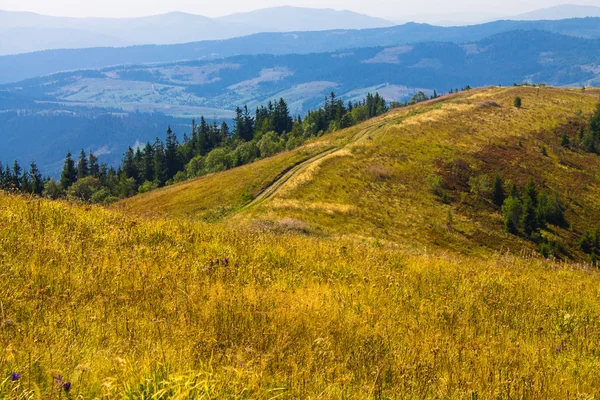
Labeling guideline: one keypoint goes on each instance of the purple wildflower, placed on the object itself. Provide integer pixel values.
(15, 376)
(226, 260)
(67, 386)
(558, 349)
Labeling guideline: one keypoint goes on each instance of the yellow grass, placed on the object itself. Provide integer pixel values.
(135, 308)
(346, 281)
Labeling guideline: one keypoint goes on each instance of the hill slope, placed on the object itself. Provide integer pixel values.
(398, 178)
(23, 66)
(101, 304)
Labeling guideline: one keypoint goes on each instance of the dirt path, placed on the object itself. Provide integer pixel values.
(273, 188)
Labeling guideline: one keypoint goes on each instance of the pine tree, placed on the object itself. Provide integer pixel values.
(147, 171)
(171, 155)
(530, 219)
(69, 173)
(82, 166)
(160, 165)
(94, 166)
(16, 176)
(498, 194)
(129, 168)
(37, 183)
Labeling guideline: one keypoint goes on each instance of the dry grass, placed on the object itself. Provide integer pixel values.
(134, 308)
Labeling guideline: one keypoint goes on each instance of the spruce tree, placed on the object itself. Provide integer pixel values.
(171, 155)
(530, 220)
(16, 176)
(94, 166)
(129, 168)
(498, 194)
(160, 167)
(37, 183)
(69, 173)
(82, 166)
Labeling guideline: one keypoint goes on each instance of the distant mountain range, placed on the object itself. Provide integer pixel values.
(564, 11)
(560, 12)
(23, 66)
(109, 109)
(22, 32)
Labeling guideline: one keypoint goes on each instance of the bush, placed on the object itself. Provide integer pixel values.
(218, 160)
(480, 186)
(52, 189)
(84, 188)
(512, 210)
(270, 144)
(518, 102)
(147, 187)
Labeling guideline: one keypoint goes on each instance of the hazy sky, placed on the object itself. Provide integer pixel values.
(391, 9)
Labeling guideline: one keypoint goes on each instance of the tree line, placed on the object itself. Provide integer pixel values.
(210, 147)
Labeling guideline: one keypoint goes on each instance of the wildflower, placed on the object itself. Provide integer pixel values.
(558, 349)
(67, 386)
(226, 260)
(15, 376)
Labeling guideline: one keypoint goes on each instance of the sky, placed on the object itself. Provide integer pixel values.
(390, 9)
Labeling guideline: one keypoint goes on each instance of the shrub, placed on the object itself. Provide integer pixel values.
(518, 102)
(512, 210)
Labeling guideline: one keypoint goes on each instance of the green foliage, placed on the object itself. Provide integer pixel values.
(147, 187)
(498, 195)
(52, 189)
(512, 211)
(270, 144)
(481, 186)
(518, 102)
(84, 188)
(69, 173)
(589, 242)
(565, 141)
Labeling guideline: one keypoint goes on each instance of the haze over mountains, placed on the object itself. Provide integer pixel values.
(22, 32)
(23, 66)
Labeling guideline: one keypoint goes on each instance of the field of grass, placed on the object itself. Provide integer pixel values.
(128, 307)
(332, 271)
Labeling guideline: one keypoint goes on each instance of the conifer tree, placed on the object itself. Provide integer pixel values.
(69, 173)
(16, 176)
(530, 220)
(171, 155)
(94, 166)
(498, 194)
(82, 165)
(37, 183)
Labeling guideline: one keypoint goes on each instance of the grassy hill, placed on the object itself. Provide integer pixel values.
(331, 271)
(409, 177)
(131, 307)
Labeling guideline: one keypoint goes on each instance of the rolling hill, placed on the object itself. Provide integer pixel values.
(369, 264)
(187, 90)
(23, 66)
(398, 177)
